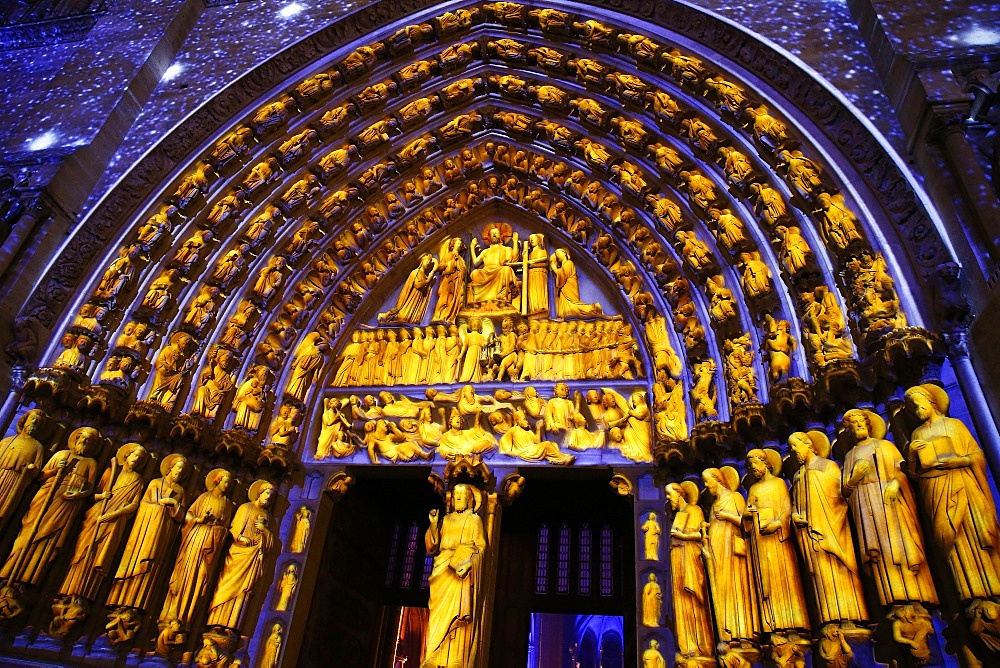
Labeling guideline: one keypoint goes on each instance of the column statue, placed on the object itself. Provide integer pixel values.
(104, 524)
(951, 472)
(687, 573)
(201, 542)
(244, 565)
(68, 479)
(458, 545)
(161, 511)
(20, 461)
(299, 537)
(732, 589)
(884, 512)
(767, 523)
(819, 513)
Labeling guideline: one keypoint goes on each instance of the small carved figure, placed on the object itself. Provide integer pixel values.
(912, 628)
(231, 147)
(171, 369)
(652, 602)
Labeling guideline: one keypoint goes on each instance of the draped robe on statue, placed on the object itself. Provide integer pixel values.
(243, 566)
(451, 628)
(154, 530)
(732, 589)
(495, 281)
(97, 543)
(826, 543)
(782, 602)
(200, 547)
(889, 536)
(16, 453)
(687, 575)
(42, 535)
(961, 505)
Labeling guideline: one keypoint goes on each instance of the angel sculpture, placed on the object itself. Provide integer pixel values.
(635, 424)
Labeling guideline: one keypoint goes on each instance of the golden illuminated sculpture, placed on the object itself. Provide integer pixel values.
(493, 280)
(244, 564)
(651, 538)
(415, 294)
(171, 368)
(460, 441)
(104, 524)
(951, 472)
(687, 573)
(884, 512)
(568, 304)
(286, 587)
(160, 513)
(536, 289)
(20, 461)
(472, 345)
(636, 425)
(306, 364)
(767, 523)
(67, 481)
(521, 442)
(651, 657)
(202, 540)
(819, 514)
(272, 648)
(451, 288)
(458, 545)
(652, 601)
(301, 528)
(334, 440)
(733, 592)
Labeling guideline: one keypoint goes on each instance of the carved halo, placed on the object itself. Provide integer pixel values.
(820, 443)
(935, 393)
(506, 232)
(212, 479)
(126, 450)
(256, 488)
(168, 463)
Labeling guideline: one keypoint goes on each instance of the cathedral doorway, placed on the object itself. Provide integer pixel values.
(566, 558)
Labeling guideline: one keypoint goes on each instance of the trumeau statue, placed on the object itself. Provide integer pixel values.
(202, 540)
(767, 523)
(687, 573)
(884, 512)
(951, 473)
(20, 461)
(819, 515)
(458, 545)
(244, 564)
(733, 592)
(160, 513)
(68, 480)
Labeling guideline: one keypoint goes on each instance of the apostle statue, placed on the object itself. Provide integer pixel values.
(951, 473)
(458, 545)
(415, 295)
(68, 480)
(205, 528)
(252, 540)
(20, 461)
(732, 588)
(160, 513)
(819, 513)
(767, 523)
(884, 513)
(687, 573)
(104, 524)
(493, 280)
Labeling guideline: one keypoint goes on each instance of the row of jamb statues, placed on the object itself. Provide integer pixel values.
(207, 567)
(742, 557)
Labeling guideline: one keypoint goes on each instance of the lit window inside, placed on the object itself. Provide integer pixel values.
(562, 572)
(542, 565)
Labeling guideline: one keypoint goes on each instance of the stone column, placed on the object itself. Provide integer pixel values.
(979, 410)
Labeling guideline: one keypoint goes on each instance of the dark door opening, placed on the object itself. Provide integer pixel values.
(566, 548)
(370, 597)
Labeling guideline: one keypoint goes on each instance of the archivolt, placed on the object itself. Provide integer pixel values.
(690, 172)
